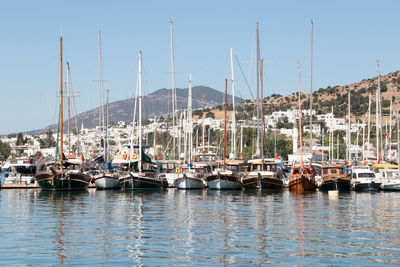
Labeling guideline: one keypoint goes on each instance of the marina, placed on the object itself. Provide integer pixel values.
(200, 134)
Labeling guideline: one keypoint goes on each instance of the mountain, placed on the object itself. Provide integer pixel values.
(154, 105)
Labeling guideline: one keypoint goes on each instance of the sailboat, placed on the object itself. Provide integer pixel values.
(62, 175)
(191, 176)
(108, 178)
(140, 177)
(391, 181)
(263, 174)
(229, 177)
(302, 178)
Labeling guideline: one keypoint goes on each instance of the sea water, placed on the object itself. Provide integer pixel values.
(198, 227)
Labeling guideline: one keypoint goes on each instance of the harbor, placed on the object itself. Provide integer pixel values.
(200, 133)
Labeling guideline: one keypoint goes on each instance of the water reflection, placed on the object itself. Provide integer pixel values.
(202, 227)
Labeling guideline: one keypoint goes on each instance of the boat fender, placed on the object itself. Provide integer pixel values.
(197, 158)
(178, 170)
(213, 158)
(134, 156)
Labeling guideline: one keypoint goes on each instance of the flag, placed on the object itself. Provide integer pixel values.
(82, 158)
(379, 159)
(204, 96)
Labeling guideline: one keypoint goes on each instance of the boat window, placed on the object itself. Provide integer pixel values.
(341, 171)
(231, 167)
(366, 175)
(354, 176)
(325, 171)
(333, 171)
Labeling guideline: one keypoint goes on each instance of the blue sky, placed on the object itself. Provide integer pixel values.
(348, 38)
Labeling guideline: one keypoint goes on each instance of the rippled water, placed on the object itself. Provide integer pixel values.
(198, 228)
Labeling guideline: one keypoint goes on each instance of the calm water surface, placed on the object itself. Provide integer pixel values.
(202, 227)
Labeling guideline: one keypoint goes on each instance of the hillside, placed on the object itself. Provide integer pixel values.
(154, 105)
(337, 96)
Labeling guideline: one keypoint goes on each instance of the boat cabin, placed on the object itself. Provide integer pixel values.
(170, 166)
(302, 170)
(333, 170)
(255, 165)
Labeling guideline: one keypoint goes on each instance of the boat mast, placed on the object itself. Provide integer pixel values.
(140, 112)
(363, 140)
(311, 72)
(101, 110)
(389, 136)
(241, 140)
(301, 141)
(106, 135)
(348, 154)
(173, 87)
(379, 100)
(226, 118)
(154, 139)
(369, 121)
(190, 119)
(337, 146)
(258, 89)
(331, 137)
(68, 101)
(61, 106)
(398, 138)
(233, 140)
(134, 117)
(262, 114)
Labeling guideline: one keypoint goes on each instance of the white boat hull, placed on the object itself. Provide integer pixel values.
(391, 186)
(106, 183)
(189, 183)
(221, 184)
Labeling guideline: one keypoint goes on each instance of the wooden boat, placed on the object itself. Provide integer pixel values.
(263, 176)
(302, 179)
(145, 173)
(334, 178)
(62, 175)
(53, 177)
(142, 180)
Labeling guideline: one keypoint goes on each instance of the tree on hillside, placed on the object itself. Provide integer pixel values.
(20, 140)
(49, 141)
(210, 114)
(198, 112)
(5, 151)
